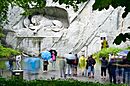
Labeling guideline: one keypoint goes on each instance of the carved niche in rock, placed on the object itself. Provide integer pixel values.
(38, 22)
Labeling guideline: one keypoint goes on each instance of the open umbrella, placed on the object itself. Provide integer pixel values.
(70, 56)
(46, 55)
(53, 51)
(123, 53)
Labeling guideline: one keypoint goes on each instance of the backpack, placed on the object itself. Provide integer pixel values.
(91, 62)
(68, 61)
(104, 63)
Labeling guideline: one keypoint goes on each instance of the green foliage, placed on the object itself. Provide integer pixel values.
(72, 3)
(6, 52)
(101, 4)
(3, 11)
(2, 65)
(128, 48)
(1, 33)
(30, 4)
(121, 37)
(40, 4)
(106, 51)
(25, 4)
(18, 82)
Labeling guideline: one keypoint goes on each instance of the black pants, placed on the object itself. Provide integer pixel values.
(112, 76)
(103, 71)
(45, 65)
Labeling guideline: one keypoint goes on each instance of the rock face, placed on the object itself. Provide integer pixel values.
(66, 30)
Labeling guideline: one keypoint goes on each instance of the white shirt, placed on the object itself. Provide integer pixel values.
(18, 58)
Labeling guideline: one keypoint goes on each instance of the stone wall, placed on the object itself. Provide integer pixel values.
(81, 29)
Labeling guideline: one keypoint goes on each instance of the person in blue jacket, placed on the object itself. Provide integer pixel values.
(112, 70)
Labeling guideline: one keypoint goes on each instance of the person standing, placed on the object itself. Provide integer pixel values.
(90, 63)
(112, 70)
(104, 64)
(53, 58)
(11, 60)
(126, 73)
(82, 64)
(62, 66)
(18, 60)
(46, 55)
(75, 64)
(69, 60)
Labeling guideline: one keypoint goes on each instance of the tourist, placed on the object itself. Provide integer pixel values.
(69, 60)
(126, 73)
(104, 64)
(53, 58)
(46, 55)
(112, 70)
(11, 60)
(90, 63)
(75, 64)
(82, 64)
(18, 60)
(62, 66)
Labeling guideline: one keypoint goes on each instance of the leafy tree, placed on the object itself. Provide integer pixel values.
(40, 4)
(101, 4)
(1, 33)
(6, 52)
(122, 38)
(25, 4)
(29, 5)
(106, 51)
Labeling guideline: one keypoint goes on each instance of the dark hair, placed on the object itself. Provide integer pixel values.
(91, 56)
(76, 55)
(103, 58)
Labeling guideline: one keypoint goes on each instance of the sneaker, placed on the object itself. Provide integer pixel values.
(69, 74)
(104, 77)
(92, 76)
(89, 77)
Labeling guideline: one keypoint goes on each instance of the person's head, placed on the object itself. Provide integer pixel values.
(83, 55)
(91, 56)
(103, 58)
(112, 54)
(76, 55)
(53, 52)
(34, 55)
(112, 58)
(70, 52)
(39, 55)
(43, 49)
(63, 57)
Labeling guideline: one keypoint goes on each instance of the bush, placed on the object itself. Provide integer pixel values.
(17, 82)
(106, 51)
(6, 52)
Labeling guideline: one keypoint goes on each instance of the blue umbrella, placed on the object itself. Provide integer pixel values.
(46, 55)
(123, 53)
